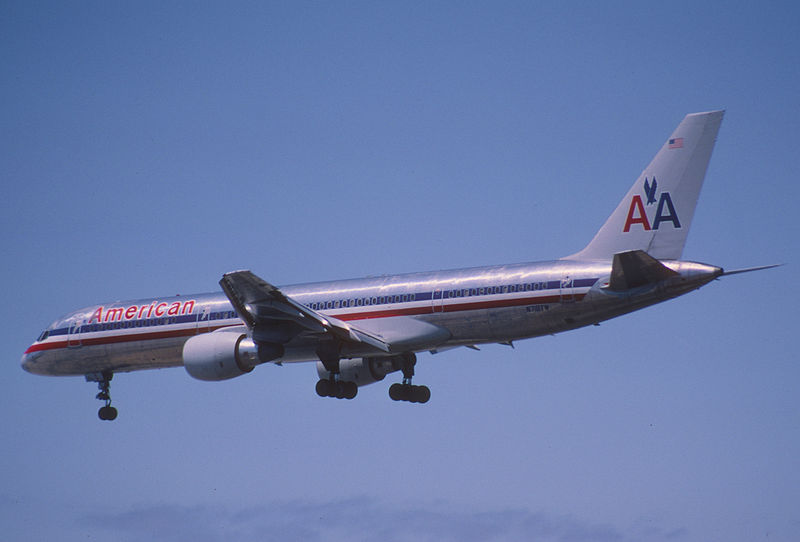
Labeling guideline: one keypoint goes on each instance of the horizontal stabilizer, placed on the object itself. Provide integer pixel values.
(636, 268)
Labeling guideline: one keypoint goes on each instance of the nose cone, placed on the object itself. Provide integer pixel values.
(27, 362)
(30, 359)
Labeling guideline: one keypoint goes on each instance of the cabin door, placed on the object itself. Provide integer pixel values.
(204, 319)
(74, 335)
(438, 300)
(567, 294)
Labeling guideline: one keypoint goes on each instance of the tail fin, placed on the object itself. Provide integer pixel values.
(657, 211)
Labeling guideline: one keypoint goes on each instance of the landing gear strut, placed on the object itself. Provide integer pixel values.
(407, 391)
(329, 355)
(106, 412)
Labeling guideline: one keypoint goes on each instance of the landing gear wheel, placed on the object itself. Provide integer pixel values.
(324, 388)
(108, 413)
(350, 390)
(337, 389)
(396, 392)
(422, 394)
(409, 393)
(329, 353)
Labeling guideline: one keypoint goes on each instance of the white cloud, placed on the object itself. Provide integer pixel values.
(356, 519)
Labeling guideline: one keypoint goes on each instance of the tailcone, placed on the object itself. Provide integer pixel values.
(694, 275)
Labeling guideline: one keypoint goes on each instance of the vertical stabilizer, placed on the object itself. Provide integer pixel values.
(656, 213)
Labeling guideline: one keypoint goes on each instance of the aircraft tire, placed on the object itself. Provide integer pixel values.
(407, 392)
(324, 388)
(107, 413)
(350, 390)
(396, 392)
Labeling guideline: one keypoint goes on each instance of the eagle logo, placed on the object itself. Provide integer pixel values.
(650, 191)
(665, 211)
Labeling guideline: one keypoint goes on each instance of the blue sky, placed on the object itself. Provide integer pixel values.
(149, 148)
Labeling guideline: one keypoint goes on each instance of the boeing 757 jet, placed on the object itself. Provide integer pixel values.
(360, 330)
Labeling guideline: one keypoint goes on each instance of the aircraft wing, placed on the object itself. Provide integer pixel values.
(260, 303)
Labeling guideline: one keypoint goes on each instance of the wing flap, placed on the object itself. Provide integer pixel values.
(259, 302)
(405, 333)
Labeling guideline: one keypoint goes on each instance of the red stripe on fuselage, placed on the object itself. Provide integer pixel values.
(128, 337)
(388, 313)
(453, 307)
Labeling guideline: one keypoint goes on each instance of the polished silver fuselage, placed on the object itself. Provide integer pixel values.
(495, 304)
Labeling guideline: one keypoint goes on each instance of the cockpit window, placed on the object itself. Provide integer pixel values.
(44, 335)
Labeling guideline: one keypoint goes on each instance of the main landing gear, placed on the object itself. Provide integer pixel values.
(329, 387)
(328, 353)
(407, 391)
(106, 412)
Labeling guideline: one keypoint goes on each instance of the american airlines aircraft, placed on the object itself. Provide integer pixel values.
(360, 330)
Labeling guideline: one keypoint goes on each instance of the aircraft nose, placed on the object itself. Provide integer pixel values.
(28, 361)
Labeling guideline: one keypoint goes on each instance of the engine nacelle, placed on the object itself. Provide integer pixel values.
(219, 356)
(363, 371)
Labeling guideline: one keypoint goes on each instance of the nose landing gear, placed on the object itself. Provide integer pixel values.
(106, 412)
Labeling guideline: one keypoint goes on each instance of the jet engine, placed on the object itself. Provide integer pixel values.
(219, 356)
(362, 371)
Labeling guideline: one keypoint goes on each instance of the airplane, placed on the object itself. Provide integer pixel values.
(360, 330)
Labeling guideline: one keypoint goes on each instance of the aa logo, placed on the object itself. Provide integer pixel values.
(665, 211)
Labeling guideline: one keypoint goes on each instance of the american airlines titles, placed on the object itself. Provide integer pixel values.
(155, 309)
